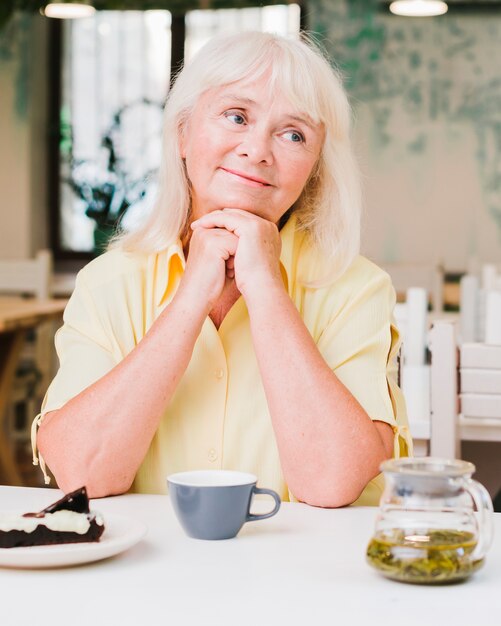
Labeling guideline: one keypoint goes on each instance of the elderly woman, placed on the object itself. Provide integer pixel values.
(237, 327)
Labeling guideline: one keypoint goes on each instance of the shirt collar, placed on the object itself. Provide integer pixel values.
(168, 265)
(288, 235)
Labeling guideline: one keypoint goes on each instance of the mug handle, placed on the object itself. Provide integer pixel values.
(251, 517)
(483, 504)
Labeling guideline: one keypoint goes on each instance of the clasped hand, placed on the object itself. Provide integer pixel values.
(232, 244)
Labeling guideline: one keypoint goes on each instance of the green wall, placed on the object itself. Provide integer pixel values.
(416, 78)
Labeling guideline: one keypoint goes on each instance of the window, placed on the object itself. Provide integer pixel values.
(115, 77)
(203, 25)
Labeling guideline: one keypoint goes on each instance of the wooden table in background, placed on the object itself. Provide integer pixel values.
(17, 315)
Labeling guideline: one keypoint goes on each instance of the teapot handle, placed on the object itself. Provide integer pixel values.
(483, 504)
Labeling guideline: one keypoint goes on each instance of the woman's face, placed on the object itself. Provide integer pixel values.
(249, 149)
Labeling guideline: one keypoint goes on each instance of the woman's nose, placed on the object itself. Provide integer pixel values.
(256, 146)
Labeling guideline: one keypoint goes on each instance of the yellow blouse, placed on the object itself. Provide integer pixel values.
(218, 416)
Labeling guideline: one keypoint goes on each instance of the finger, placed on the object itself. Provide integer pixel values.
(230, 267)
(228, 240)
(221, 219)
(221, 235)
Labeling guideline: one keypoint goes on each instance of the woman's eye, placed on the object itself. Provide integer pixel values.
(236, 118)
(294, 136)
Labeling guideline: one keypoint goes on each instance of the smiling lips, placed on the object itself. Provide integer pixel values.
(253, 180)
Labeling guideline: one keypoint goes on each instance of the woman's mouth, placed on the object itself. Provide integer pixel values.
(248, 179)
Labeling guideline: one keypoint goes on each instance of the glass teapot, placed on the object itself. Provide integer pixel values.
(434, 523)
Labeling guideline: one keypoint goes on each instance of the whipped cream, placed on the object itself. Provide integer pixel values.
(62, 521)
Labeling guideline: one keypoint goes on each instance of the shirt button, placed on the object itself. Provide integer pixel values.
(219, 374)
(212, 455)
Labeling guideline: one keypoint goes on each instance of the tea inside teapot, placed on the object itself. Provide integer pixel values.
(431, 556)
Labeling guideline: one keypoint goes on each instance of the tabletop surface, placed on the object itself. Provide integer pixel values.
(303, 566)
(18, 312)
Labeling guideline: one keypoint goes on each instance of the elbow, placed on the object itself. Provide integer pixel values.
(73, 469)
(70, 481)
(328, 499)
(328, 494)
(331, 492)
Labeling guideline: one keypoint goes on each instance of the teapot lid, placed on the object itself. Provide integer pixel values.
(426, 466)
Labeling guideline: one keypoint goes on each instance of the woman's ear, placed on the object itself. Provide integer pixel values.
(181, 141)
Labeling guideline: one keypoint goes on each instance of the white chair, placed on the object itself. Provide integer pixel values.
(445, 439)
(29, 278)
(459, 411)
(438, 433)
(430, 277)
(412, 320)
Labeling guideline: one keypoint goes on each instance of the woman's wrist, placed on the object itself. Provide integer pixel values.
(262, 288)
(189, 302)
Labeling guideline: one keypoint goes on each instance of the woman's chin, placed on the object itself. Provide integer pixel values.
(229, 203)
(258, 211)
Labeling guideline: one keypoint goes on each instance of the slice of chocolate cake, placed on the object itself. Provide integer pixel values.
(69, 520)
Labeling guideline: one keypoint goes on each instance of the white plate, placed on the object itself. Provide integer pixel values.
(120, 534)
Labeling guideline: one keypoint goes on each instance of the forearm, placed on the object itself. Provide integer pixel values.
(100, 437)
(329, 447)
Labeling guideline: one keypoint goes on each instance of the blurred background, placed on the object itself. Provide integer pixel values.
(80, 119)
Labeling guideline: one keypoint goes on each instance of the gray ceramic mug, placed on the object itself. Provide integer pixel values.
(215, 504)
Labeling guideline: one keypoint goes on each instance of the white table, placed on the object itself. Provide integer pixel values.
(304, 566)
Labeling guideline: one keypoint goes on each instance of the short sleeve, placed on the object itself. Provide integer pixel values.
(84, 350)
(361, 344)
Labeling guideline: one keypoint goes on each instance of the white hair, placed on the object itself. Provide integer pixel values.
(329, 208)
